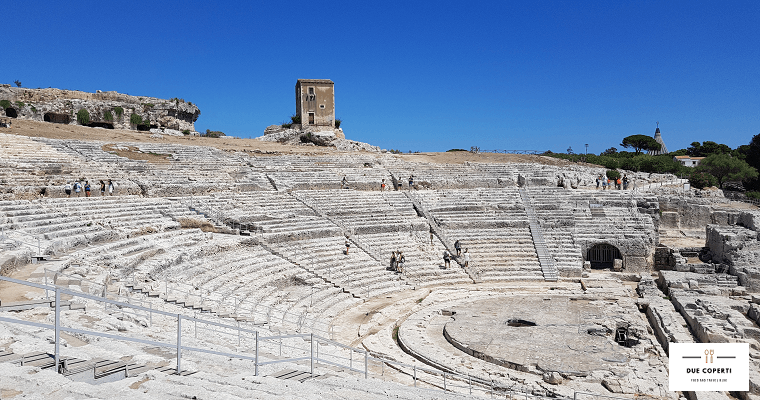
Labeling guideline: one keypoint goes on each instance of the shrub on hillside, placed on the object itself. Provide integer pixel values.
(83, 117)
(5, 104)
(701, 180)
(135, 119)
(612, 174)
(338, 121)
(108, 116)
(119, 112)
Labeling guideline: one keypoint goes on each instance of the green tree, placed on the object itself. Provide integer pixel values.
(609, 152)
(17, 82)
(701, 180)
(726, 168)
(752, 156)
(707, 148)
(640, 142)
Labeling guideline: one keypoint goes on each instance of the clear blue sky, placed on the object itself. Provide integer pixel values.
(427, 76)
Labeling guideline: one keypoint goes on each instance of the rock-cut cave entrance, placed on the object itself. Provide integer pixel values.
(11, 112)
(57, 118)
(603, 256)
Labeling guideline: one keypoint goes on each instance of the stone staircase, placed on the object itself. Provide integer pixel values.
(544, 257)
(95, 371)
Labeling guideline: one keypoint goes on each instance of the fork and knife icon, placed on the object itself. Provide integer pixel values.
(709, 353)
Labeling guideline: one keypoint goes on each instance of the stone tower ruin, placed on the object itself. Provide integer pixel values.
(315, 103)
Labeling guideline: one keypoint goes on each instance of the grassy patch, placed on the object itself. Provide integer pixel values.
(133, 153)
(189, 223)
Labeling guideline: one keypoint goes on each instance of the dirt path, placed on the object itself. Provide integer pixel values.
(260, 148)
(11, 292)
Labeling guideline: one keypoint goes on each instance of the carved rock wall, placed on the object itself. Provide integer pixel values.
(61, 106)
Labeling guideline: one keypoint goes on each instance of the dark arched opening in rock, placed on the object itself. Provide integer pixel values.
(11, 112)
(106, 125)
(57, 118)
(603, 256)
(144, 127)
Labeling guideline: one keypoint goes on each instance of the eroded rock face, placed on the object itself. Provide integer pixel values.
(312, 136)
(104, 109)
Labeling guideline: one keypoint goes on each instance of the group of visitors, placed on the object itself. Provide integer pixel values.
(397, 261)
(383, 186)
(609, 182)
(78, 187)
(458, 248)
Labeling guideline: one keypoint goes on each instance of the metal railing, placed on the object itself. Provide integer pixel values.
(261, 350)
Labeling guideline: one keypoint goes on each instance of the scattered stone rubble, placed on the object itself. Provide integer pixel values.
(319, 137)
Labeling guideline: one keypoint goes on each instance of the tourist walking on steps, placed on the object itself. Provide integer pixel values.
(625, 182)
(344, 183)
(110, 187)
(446, 259)
(411, 181)
(67, 189)
(77, 188)
(598, 181)
(87, 188)
(102, 188)
(348, 245)
(458, 248)
(604, 183)
(400, 264)
(431, 238)
(382, 186)
(393, 261)
(466, 258)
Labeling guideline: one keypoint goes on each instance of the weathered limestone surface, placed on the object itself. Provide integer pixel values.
(734, 245)
(694, 211)
(716, 319)
(61, 106)
(319, 136)
(668, 325)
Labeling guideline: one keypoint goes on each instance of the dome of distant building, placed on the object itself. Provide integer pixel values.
(658, 138)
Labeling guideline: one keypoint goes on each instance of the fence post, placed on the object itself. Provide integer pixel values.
(444, 381)
(47, 294)
(311, 357)
(415, 376)
(256, 361)
(57, 329)
(469, 383)
(366, 361)
(179, 343)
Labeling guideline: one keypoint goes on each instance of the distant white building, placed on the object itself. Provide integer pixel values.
(687, 161)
